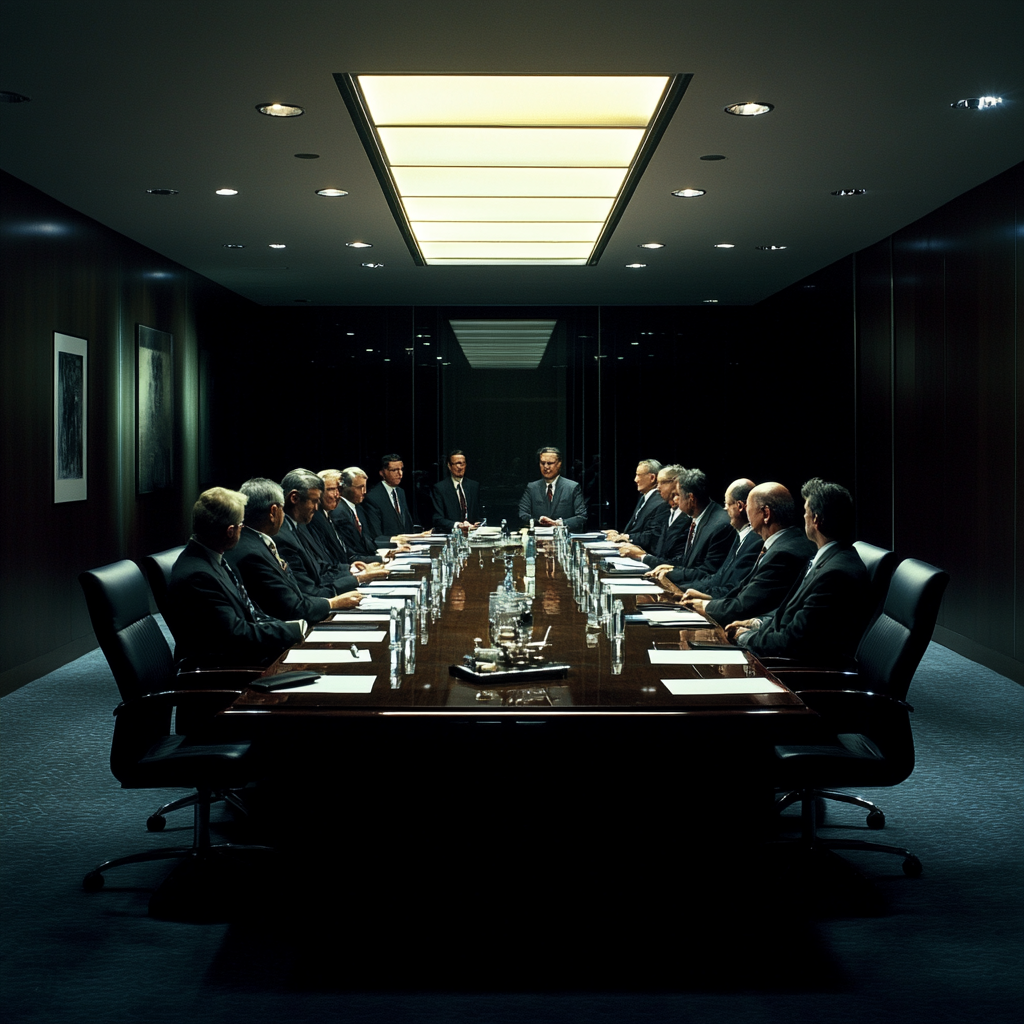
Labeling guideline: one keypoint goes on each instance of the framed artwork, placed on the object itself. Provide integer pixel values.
(70, 417)
(154, 410)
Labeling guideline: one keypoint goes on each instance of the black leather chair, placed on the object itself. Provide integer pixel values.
(158, 571)
(887, 657)
(879, 563)
(872, 745)
(144, 752)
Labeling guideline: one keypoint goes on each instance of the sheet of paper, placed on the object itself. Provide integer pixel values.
(404, 560)
(377, 603)
(336, 684)
(601, 545)
(714, 687)
(333, 636)
(627, 563)
(630, 586)
(358, 617)
(723, 657)
(349, 637)
(380, 588)
(680, 617)
(593, 535)
(544, 531)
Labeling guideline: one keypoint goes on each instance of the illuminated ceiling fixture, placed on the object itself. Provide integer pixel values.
(331, 193)
(372, 266)
(279, 109)
(849, 192)
(978, 103)
(635, 266)
(509, 169)
(651, 245)
(276, 245)
(749, 109)
(769, 248)
(227, 191)
(360, 245)
(503, 344)
(725, 245)
(688, 193)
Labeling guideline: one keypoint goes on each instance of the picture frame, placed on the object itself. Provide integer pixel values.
(154, 410)
(70, 418)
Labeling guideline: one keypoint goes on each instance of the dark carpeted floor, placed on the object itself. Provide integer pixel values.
(433, 932)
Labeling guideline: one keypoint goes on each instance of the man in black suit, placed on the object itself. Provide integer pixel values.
(387, 508)
(267, 576)
(322, 533)
(350, 516)
(648, 519)
(670, 543)
(554, 499)
(783, 552)
(709, 536)
(456, 500)
(214, 621)
(822, 618)
(743, 553)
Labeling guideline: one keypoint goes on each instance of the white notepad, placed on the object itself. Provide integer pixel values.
(631, 587)
(675, 617)
(358, 618)
(333, 636)
(335, 684)
(714, 687)
(724, 657)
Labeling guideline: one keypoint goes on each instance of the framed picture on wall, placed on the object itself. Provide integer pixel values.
(154, 410)
(70, 417)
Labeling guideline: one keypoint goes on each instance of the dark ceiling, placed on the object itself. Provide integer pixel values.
(126, 96)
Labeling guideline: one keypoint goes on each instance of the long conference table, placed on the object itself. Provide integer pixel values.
(699, 735)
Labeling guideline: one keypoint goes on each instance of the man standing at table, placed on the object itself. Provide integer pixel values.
(650, 515)
(456, 500)
(822, 618)
(783, 552)
(554, 499)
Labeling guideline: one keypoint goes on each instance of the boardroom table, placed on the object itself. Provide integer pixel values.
(606, 742)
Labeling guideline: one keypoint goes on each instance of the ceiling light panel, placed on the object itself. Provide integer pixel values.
(499, 168)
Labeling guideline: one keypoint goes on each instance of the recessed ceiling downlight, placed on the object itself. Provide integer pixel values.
(279, 109)
(978, 103)
(331, 193)
(770, 248)
(372, 266)
(162, 191)
(635, 266)
(227, 191)
(725, 245)
(849, 192)
(360, 245)
(750, 108)
(688, 193)
(651, 245)
(276, 245)
(234, 245)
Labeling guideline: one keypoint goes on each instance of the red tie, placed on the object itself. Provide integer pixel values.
(359, 525)
(394, 499)
(689, 536)
(462, 498)
(551, 493)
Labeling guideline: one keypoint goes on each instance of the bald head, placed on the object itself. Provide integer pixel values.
(770, 508)
(736, 502)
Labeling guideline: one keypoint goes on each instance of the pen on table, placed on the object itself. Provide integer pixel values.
(355, 652)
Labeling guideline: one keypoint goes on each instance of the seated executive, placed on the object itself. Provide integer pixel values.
(456, 500)
(645, 525)
(554, 498)
(387, 509)
(214, 621)
(668, 545)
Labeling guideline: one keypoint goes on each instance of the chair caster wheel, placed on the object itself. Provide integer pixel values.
(93, 881)
(876, 819)
(912, 867)
(156, 822)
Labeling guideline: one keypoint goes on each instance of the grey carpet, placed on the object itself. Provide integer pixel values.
(945, 947)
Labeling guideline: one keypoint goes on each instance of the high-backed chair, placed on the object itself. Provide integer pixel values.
(139, 658)
(873, 746)
(158, 571)
(887, 657)
(879, 563)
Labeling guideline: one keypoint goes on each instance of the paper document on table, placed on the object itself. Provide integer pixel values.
(630, 586)
(598, 546)
(674, 617)
(403, 560)
(705, 657)
(377, 603)
(379, 588)
(715, 687)
(544, 531)
(332, 636)
(357, 617)
(626, 563)
(336, 684)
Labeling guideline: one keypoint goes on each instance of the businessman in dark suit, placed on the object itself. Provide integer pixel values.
(709, 536)
(257, 561)
(822, 618)
(671, 541)
(387, 508)
(554, 498)
(456, 500)
(322, 534)
(783, 552)
(350, 516)
(214, 621)
(649, 517)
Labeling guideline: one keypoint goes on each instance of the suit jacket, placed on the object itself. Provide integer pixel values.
(274, 590)
(568, 503)
(766, 586)
(672, 542)
(360, 546)
(380, 514)
(712, 540)
(211, 623)
(644, 527)
(311, 574)
(324, 535)
(446, 504)
(823, 616)
(736, 567)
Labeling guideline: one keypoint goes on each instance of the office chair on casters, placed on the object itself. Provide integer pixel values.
(879, 563)
(887, 657)
(873, 746)
(144, 752)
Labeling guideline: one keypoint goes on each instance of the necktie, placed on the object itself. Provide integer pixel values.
(551, 492)
(689, 537)
(462, 498)
(394, 501)
(280, 561)
(359, 525)
(760, 555)
(242, 592)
